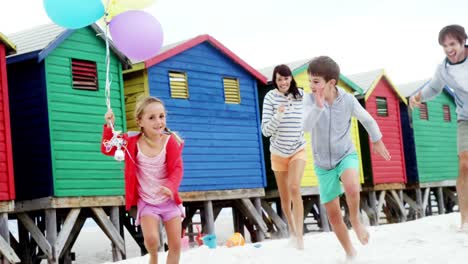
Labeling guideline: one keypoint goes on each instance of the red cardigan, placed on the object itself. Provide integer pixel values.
(174, 165)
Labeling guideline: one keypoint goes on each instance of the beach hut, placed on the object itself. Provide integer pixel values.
(57, 97)
(381, 99)
(211, 98)
(7, 182)
(429, 136)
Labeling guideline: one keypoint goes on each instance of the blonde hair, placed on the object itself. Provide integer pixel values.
(142, 103)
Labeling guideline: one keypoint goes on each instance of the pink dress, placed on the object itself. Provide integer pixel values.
(151, 175)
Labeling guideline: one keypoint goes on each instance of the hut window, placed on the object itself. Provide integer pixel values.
(231, 90)
(84, 75)
(178, 84)
(447, 117)
(423, 114)
(382, 109)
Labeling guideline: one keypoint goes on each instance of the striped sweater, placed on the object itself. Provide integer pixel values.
(284, 129)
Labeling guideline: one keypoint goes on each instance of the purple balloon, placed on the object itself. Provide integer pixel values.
(137, 34)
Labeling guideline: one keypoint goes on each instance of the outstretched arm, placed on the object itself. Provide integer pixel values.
(372, 129)
(432, 89)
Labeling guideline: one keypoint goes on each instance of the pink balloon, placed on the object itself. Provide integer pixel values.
(137, 34)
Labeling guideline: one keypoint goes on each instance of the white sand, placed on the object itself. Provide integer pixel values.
(433, 239)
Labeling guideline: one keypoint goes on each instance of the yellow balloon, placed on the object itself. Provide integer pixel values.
(115, 7)
(114, 10)
(135, 4)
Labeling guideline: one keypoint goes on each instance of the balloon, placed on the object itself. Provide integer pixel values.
(115, 7)
(114, 10)
(74, 14)
(137, 34)
(134, 4)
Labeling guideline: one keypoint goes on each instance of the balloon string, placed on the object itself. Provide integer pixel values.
(108, 79)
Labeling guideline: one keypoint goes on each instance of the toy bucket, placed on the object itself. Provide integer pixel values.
(210, 240)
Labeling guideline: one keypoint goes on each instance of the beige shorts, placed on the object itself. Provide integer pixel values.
(279, 163)
(462, 136)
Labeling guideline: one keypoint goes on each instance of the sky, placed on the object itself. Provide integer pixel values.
(399, 36)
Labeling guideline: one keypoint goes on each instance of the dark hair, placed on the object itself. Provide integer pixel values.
(455, 31)
(324, 67)
(284, 70)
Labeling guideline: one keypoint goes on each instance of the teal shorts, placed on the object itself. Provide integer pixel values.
(330, 180)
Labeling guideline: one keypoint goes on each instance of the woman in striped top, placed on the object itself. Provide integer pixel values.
(281, 121)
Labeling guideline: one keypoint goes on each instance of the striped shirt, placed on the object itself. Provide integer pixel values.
(284, 129)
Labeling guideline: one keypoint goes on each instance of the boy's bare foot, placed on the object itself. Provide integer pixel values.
(463, 228)
(292, 241)
(300, 243)
(361, 233)
(351, 255)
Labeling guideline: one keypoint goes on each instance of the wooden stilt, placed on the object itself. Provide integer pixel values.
(188, 223)
(15, 244)
(373, 206)
(36, 234)
(209, 218)
(413, 204)
(426, 197)
(452, 199)
(248, 209)
(400, 195)
(108, 228)
(276, 219)
(440, 201)
(24, 239)
(419, 201)
(368, 210)
(51, 232)
(279, 209)
(399, 204)
(258, 206)
(381, 201)
(73, 235)
(8, 254)
(324, 218)
(115, 219)
(216, 211)
(308, 204)
(189, 213)
(61, 240)
(162, 237)
(238, 220)
(315, 211)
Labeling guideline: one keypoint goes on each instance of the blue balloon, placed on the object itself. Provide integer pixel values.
(74, 14)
